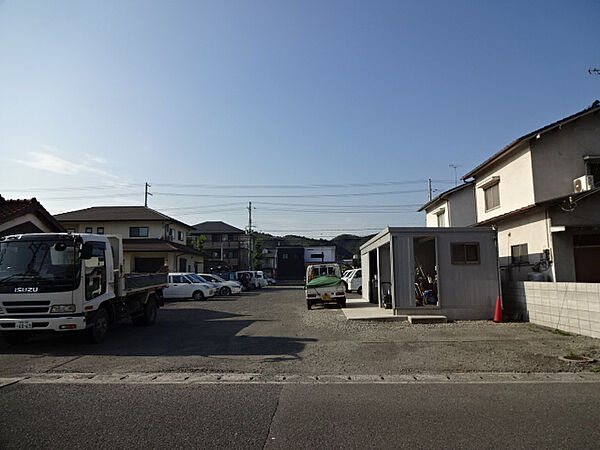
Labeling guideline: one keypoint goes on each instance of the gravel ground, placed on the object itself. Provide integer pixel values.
(272, 332)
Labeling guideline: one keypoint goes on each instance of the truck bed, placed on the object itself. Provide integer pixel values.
(142, 281)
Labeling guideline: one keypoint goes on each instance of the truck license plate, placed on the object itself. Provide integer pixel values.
(325, 297)
(24, 324)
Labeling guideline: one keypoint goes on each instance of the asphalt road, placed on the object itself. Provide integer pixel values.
(291, 416)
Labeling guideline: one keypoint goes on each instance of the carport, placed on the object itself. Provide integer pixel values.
(433, 271)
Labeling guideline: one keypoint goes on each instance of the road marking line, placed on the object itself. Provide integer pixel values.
(256, 378)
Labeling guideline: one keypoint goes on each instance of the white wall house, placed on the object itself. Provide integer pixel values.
(152, 241)
(453, 208)
(547, 227)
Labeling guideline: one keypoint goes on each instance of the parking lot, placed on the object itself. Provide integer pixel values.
(270, 331)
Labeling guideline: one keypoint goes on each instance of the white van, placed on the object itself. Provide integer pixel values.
(353, 280)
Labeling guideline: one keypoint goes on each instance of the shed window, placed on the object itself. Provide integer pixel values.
(492, 196)
(465, 253)
(180, 235)
(519, 254)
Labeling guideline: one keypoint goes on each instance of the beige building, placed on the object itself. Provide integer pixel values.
(151, 240)
(540, 192)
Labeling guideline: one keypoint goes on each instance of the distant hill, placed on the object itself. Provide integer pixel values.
(346, 245)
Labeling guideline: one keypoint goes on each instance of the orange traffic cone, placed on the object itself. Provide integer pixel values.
(498, 313)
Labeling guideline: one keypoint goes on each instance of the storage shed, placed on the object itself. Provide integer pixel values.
(438, 271)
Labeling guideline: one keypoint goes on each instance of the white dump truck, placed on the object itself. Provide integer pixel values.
(65, 282)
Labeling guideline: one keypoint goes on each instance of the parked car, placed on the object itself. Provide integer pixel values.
(183, 285)
(200, 279)
(254, 279)
(271, 281)
(224, 287)
(353, 280)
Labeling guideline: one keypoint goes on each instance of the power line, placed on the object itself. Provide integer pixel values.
(298, 186)
(358, 194)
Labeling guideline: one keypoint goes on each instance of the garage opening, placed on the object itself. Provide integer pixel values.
(148, 265)
(426, 276)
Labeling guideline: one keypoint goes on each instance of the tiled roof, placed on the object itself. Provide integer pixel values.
(116, 214)
(157, 245)
(514, 144)
(215, 227)
(11, 209)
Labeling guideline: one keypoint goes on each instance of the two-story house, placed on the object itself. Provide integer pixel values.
(540, 191)
(152, 241)
(453, 208)
(224, 244)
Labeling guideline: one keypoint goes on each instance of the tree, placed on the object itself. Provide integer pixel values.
(257, 256)
(196, 242)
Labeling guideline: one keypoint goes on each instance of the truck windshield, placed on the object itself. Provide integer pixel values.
(49, 264)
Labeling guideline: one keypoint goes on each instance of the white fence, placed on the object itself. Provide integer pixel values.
(572, 307)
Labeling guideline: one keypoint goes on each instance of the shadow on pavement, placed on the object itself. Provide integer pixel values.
(177, 332)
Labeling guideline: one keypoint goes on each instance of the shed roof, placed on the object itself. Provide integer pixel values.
(116, 214)
(514, 144)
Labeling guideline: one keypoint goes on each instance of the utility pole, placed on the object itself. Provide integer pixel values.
(429, 188)
(250, 261)
(146, 194)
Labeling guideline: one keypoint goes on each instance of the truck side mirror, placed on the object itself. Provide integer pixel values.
(86, 251)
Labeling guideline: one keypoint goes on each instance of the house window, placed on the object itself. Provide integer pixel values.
(89, 230)
(464, 253)
(100, 230)
(216, 237)
(171, 232)
(492, 196)
(519, 254)
(441, 219)
(233, 237)
(138, 231)
(180, 235)
(592, 167)
(70, 230)
(225, 238)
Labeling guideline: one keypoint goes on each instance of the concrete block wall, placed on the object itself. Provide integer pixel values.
(572, 307)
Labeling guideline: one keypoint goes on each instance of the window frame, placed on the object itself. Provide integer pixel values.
(89, 230)
(486, 189)
(99, 230)
(139, 234)
(466, 262)
(521, 259)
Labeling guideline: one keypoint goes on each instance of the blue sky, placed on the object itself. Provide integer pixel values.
(100, 97)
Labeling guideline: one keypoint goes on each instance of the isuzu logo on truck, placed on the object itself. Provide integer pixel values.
(26, 289)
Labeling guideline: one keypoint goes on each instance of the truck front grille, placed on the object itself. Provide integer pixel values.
(26, 306)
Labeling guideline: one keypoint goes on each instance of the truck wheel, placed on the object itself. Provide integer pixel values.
(100, 326)
(359, 290)
(16, 338)
(346, 286)
(198, 296)
(342, 303)
(308, 304)
(148, 317)
(225, 291)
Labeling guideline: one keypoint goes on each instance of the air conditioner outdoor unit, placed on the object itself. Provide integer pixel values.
(582, 184)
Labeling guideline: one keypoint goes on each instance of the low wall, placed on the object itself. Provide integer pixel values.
(572, 307)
